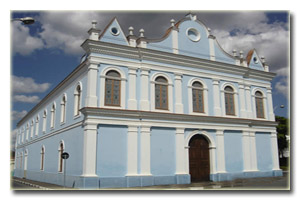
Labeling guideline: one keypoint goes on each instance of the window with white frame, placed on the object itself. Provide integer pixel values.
(60, 160)
(37, 125)
(27, 131)
(198, 97)
(31, 127)
(44, 120)
(229, 100)
(161, 93)
(77, 99)
(112, 88)
(42, 158)
(259, 103)
(63, 109)
(52, 119)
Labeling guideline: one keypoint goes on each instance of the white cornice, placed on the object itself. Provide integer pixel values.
(147, 115)
(143, 54)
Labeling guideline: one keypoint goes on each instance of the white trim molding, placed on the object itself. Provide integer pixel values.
(266, 116)
(236, 101)
(122, 89)
(190, 96)
(212, 150)
(170, 92)
(132, 151)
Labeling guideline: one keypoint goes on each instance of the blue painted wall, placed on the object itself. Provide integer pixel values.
(198, 49)
(163, 158)
(111, 151)
(263, 151)
(233, 151)
(164, 45)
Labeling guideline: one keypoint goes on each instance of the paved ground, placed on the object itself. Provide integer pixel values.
(270, 183)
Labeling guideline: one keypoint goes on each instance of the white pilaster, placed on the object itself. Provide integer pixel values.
(211, 40)
(216, 89)
(242, 101)
(89, 150)
(132, 103)
(175, 41)
(221, 167)
(178, 94)
(253, 151)
(248, 102)
(91, 96)
(270, 104)
(132, 151)
(144, 90)
(180, 151)
(145, 151)
(212, 158)
(274, 151)
(246, 151)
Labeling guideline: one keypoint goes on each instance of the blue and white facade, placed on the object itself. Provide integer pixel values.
(136, 143)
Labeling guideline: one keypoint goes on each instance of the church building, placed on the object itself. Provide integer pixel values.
(141, 112)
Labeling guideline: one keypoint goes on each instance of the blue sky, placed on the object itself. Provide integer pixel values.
(44, 53)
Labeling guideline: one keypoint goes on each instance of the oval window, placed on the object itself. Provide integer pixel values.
(255, 60)
(193, 34)
(114, 31)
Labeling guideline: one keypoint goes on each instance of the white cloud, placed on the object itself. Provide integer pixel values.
(26, 99)
(28, 85)
(23, 43)
(66, 30)
(16, 115)
(270, 40)
(282, 87)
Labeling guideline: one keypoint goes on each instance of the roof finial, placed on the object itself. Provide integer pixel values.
(142, 32)
(234, 52)
(94, 22)
(263, 59)
(172, 22)
(241, 54)
(130, 30)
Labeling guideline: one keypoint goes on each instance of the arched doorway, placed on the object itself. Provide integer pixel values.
(199, 158)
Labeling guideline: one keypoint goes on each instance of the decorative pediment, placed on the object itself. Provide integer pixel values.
(113, 33)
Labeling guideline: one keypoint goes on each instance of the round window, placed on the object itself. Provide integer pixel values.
(255, 60)
(193, 34)
(114, 31)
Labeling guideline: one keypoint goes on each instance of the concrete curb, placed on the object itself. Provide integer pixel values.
(32, 185)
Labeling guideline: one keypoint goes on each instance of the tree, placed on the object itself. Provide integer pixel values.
(282, 131)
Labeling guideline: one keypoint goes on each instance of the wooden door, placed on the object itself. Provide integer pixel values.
(199, 159)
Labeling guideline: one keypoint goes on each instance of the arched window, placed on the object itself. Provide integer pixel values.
(27, 131)
(229, 100)
(31, 129)
(259, 105)
(112, 88)
(42, 158)
(53, 109)
(44, 121)
(198, 100)
(63, 109)
(60, 160)
(37, 125)
(77, 100)
(161, 93)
